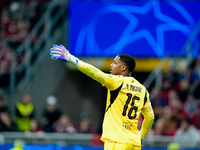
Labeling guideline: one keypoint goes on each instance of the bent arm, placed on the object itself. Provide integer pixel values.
(148, 114)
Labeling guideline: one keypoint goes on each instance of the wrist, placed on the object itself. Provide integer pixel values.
(143, 136)
(75, 61)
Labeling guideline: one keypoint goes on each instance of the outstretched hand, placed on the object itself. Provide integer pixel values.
(59, 52)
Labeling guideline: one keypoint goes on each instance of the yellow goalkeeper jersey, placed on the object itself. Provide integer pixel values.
(126, 99)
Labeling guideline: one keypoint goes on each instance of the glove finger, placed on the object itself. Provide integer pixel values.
(55, 52)
(54, 45)
(55, 57)
(55, 49)
(64, 48)
(58, 48)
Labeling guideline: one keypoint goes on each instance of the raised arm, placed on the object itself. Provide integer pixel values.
(60, 52)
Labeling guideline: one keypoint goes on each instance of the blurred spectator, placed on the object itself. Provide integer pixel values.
(173, 146)
(22, 21)
(34, 10)
(6, 56)
(35, 127)
(172, 76)
(187, 135)
(3, 38)
(166, 86)
(64, 125)
(3, 107)
(5, 18)
(33, 16)
(18, 145)
(23, 27)
(14, 8)
(166, 125)
(51, 114)
(183, 90)
(170, 80)
(13, 33)
(156, 98)
(195, 120)
(174, 101)
(190, 105)
(6, 123)
(24, 113)
(86, 125)
(191, 75)
(179, 115)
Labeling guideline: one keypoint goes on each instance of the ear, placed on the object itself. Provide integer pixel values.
(124, 67)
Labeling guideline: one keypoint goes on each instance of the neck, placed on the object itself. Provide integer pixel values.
(125, 74)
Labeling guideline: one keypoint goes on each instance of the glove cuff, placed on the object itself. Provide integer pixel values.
(75, 61)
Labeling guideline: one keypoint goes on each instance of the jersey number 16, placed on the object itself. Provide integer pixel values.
(132, 106)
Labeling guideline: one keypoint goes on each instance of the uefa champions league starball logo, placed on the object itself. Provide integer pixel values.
(152, 25)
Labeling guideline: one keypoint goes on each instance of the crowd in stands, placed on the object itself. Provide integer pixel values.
(53, 119)
(176, 104)
(17, 19)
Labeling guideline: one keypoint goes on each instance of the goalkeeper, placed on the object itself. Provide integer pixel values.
(126, 99)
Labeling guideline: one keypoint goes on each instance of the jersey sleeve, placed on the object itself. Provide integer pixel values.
(147, 112)
(105, 79)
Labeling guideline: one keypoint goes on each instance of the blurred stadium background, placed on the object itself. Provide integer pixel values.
(162, 35)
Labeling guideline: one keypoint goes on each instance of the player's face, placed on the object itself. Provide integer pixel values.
(116, 66)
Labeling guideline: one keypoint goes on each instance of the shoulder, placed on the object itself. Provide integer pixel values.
(112, 82)
(139, 84)
(116, 77)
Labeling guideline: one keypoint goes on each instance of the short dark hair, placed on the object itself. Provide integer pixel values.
(128, 60)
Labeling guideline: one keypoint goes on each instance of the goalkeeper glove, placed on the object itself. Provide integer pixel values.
(60, 52)
(143, 136)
